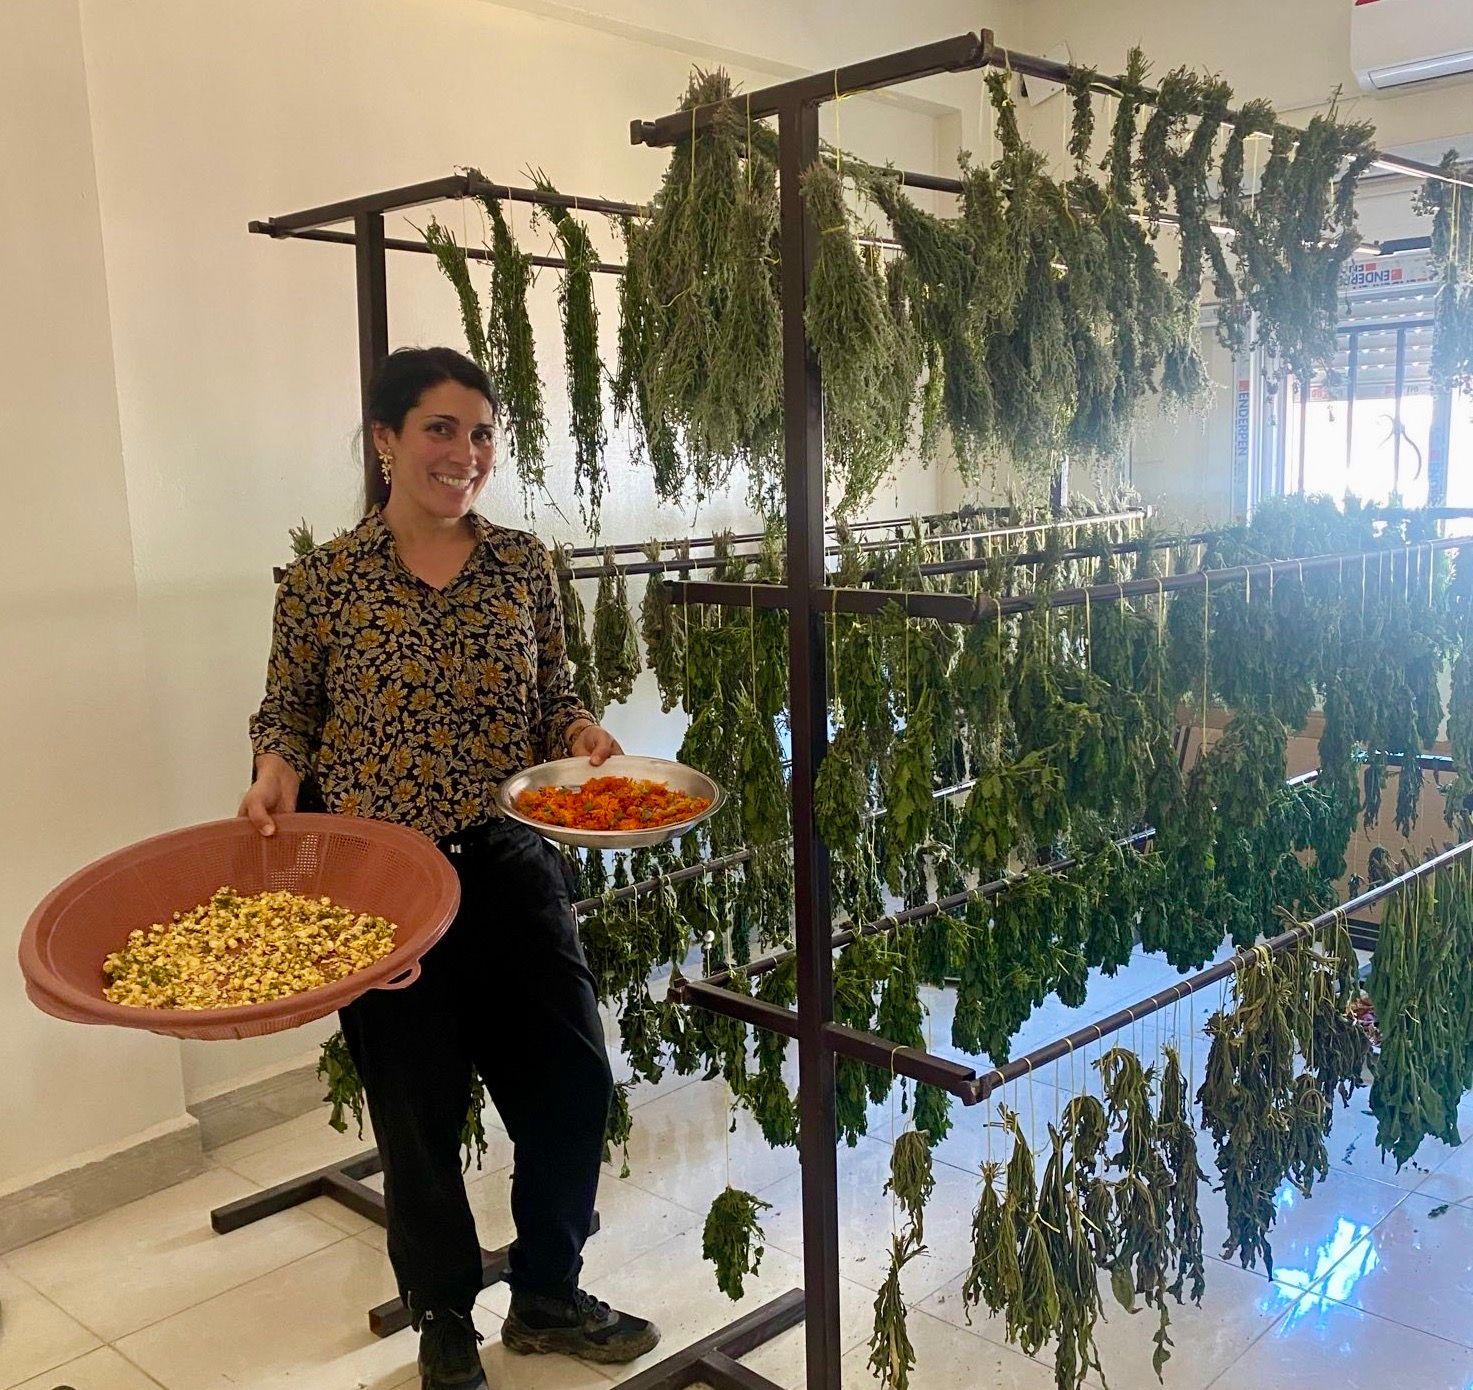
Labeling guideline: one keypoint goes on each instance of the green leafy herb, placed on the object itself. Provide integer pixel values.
(615, 650)
(580, 352)
(732, 1239)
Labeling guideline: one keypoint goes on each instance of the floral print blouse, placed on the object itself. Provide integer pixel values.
(409, 703)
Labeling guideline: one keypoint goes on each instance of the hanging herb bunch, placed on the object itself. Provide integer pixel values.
(1268, 1111)
(630, 392)
(1450, 205)
(615, 649)
(575, 634)
(1421, 985)
(455, 267)
(581, 354)
(705, 339)
(732, 1239)
(513, 352)
(1297, 234)
(863, 346)
(663, 627)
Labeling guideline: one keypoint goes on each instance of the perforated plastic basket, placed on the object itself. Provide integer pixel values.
(369, 866)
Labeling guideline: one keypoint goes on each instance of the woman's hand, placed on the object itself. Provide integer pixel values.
(273, 793)
(592, 742)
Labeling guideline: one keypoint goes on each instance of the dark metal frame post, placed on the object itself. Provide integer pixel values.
(373, 331)
(803, 429)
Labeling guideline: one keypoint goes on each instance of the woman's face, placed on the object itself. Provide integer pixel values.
(445, 452)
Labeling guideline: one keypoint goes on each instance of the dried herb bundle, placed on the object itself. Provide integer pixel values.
(581, 355)
(906, 787)
(1298, 233)
(513, 353)
(891, 1356)
(857, 341)
(732, 1239)
(707, 351)
(344, 1086)
(615, 650)
(763, 791)
(452, 260)
(631, 394)
(619, 1128)
(662, 626)
(912, 1179)
(1449, 206)
(575, 635)
(1421, 985)
(473, 1128)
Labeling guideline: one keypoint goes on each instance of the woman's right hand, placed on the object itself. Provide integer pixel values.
(273, 793)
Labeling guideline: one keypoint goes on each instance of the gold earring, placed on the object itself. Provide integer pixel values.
(384, 463)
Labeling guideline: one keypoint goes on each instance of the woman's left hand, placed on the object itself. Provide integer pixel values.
(595, 744)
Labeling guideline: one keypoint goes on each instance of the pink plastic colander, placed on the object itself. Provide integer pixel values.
(368, 866)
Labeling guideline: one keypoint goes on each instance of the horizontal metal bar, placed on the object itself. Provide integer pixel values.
(472, 253)
(914, 1062)
(956, 54)
(864, 547)
(584, 552)
(1054, 71)
(466, 185)
(882, 925)
(390, 200)
(963, 608)
(732, 1004)
(688, 871)
(1204, 979)
(727, 861)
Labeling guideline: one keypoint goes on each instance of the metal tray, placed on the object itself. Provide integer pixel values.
(574, 772)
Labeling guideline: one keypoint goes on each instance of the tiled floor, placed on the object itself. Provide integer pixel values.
(1373, 1280)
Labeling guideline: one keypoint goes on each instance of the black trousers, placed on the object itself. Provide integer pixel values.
(507, 990)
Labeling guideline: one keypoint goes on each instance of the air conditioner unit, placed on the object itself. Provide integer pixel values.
(1394, 43)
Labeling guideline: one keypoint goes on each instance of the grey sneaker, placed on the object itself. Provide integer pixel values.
(581, 1326)
(448, 1355)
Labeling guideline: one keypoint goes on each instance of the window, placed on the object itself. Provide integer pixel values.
(1365, 425)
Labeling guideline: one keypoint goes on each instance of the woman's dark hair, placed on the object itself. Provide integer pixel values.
(407, 373)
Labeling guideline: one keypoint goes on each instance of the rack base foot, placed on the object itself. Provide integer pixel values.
(343, 1182)
(716, 1360)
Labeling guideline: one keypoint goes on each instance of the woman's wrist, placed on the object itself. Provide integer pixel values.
(576, 730)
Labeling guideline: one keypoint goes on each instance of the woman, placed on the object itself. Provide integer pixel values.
(416, 662)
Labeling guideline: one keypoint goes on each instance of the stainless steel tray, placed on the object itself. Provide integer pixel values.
(574, 772)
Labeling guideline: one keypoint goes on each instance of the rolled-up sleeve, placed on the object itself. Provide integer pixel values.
(289, 721)
(560, 707)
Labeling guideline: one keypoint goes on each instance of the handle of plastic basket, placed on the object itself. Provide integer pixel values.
(410, 975)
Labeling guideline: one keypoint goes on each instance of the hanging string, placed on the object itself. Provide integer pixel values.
(893, 1225)
(838, 133)
(1206, 651)
(1089, 644)
(749, 139)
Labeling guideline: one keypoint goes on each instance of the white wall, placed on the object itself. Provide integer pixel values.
(183, 392)
(80, 760)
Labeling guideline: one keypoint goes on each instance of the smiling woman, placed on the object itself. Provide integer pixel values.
(417, 662)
